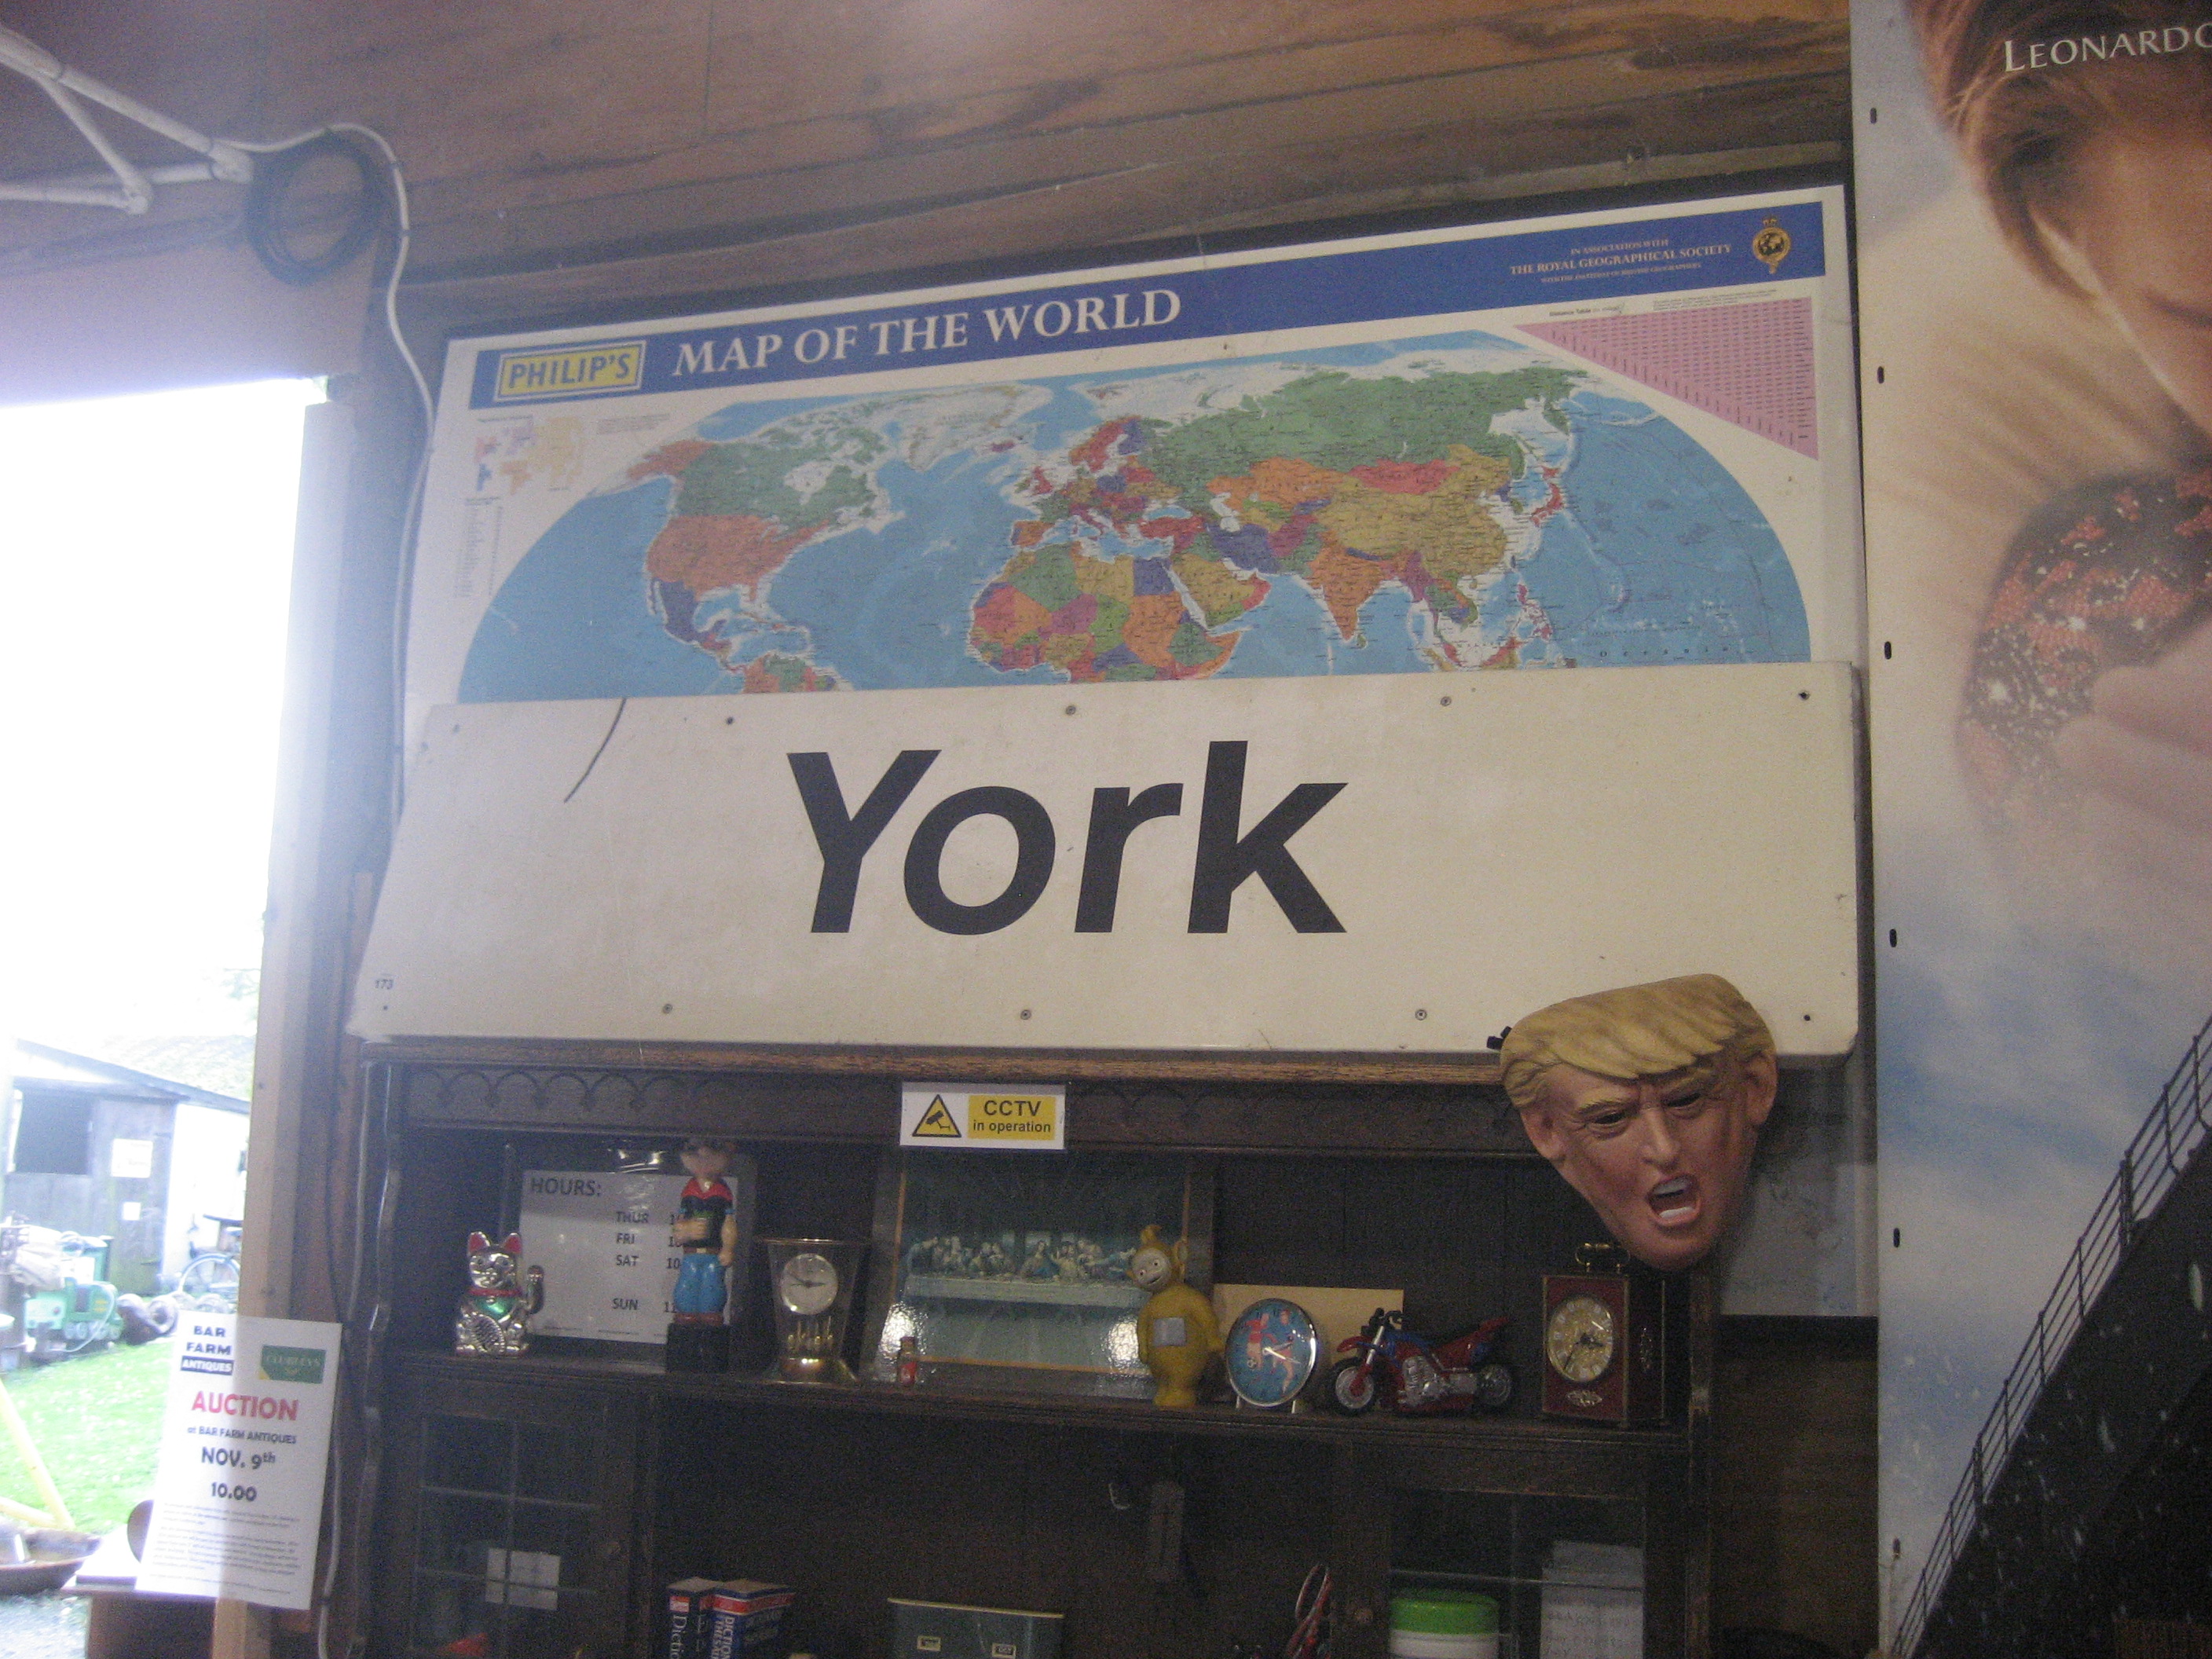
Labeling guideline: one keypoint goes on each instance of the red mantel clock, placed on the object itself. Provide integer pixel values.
(1605, 1349)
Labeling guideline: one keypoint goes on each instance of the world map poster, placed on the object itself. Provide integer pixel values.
(1583, 441)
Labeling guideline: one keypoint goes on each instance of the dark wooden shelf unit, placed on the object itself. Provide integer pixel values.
(1403, 1108)
(954, 1493)
(1482, 1439)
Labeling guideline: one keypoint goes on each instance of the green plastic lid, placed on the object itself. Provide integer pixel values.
(1443, 1612)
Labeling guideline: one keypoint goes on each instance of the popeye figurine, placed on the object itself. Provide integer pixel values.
(706, 1231)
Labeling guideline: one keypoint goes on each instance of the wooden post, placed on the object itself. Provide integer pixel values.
(1360, 1551)
(284, 1059)
(296, 1036)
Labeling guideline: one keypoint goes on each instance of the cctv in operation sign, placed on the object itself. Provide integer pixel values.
(984, 1117)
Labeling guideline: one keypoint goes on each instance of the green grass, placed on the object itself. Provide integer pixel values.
(97, 1422)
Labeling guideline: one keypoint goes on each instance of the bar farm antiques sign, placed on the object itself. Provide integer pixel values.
(246, 1431)
(1378, 862)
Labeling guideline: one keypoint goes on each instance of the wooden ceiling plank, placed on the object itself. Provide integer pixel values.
(497, 90)
(1295, 184)
(1355, 201)
(789, 139)
(477, 218)
(1706, 32)
(200, 61)
(778, 63)
(591, 134)
(781, 61)
(499, 117)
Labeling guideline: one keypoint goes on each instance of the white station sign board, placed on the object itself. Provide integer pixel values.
(237, 1494)
(1355, 863)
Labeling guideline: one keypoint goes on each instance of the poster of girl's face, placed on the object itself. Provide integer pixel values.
(2035, 198)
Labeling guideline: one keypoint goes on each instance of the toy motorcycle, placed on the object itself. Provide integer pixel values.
(1419, 1376)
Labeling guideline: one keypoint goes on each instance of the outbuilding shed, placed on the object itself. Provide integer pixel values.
(99, 1148)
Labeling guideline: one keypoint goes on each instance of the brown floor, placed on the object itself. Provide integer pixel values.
(122, 1628)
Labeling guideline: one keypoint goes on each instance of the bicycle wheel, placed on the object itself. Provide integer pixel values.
(211, 1281)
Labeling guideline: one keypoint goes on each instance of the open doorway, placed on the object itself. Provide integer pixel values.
(145, 566)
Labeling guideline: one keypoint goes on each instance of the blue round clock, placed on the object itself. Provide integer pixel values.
(1270, 1350)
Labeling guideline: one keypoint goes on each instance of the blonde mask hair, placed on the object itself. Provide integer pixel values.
(1636, 1031)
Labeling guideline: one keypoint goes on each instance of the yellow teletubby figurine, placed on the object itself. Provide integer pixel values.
(1177, 1336)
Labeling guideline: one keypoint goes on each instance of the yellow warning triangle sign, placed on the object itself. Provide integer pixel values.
(936, 1123)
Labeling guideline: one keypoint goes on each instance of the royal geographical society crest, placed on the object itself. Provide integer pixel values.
(1771, 245)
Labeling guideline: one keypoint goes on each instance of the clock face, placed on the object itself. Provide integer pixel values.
(1580, 1337)
(808, 1284)
(1270, 1352)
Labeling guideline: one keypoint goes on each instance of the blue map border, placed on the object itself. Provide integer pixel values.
(1612, 260)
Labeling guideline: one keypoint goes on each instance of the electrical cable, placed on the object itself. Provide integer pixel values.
(401, 594)
(274, 177)
(404, 572)
(269, 181)
(404, 227)
(401, 591)
(360, 1248)
(232, 160)
(403, 576)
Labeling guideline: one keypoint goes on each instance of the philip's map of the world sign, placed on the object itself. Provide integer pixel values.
(1583, 441)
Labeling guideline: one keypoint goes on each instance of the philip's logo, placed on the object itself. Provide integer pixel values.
(580, 371)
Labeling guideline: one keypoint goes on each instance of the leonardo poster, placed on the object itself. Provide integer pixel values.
(2036, 276)
(1618, 439)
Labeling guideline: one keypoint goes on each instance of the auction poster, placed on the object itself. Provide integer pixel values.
(2038, 546)
(246, 1431)
(1613, 439)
